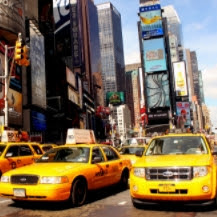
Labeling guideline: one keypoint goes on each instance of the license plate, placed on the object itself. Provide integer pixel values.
(19, 192)
(167, 188)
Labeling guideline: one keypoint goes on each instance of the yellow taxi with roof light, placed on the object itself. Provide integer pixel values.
(67, 172)
(175, 167)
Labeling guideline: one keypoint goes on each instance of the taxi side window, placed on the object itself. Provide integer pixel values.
(12, 151)
(97, 153)
(110, 153)
(25, 150)
(37, 149)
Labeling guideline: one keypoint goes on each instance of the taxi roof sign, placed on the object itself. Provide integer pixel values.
(80, 136)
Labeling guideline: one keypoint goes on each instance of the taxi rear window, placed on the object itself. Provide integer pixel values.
(2, 148)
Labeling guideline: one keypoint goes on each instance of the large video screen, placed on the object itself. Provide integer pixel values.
(114, 98)
(154, 55)
(151, 21)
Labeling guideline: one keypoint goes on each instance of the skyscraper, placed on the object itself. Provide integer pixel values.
(174, 31)
(111, 47)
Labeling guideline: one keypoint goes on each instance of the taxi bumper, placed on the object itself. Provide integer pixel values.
(198, 189)
(40, 192)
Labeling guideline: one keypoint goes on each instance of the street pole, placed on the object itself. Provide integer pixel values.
(6, 86)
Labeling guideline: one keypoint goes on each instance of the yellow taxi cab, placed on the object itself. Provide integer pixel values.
(18, 154)
(175, 167)
(130, 152)
(67, 172)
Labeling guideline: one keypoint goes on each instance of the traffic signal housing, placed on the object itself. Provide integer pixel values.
(18, 51)
(25, 56)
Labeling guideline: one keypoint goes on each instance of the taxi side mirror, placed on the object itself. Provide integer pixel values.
(139, 153)
(96, 160)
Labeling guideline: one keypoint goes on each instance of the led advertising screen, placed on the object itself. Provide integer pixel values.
(154, 55)
(38, 121)
(180, 78)
(151, 21)
(183, 108)
(157, 90)
(115, 98)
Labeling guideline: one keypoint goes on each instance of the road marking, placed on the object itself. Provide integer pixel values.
(122, 203)
(5, 201)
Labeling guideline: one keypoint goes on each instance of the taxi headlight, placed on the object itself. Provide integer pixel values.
(200, 171)
(54, 179)
(5, 179)
(139, 172)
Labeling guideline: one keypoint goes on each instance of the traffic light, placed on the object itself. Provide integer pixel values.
(18, 51)
(25, 56)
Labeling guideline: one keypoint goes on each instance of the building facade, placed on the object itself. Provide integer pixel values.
(111, 48)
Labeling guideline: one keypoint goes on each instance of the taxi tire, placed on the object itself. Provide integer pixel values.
(78, 192)
(124, 179)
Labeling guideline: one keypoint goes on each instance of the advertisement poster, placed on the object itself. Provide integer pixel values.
(180, 78)
(151, 21)
(154, 55)
(183, 112)
(114, 98)
(157, 89)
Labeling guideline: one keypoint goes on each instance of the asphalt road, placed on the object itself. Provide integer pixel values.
(107, 203)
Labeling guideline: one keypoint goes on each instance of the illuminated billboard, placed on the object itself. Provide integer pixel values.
(114, 98)
(154, 55)
(180, 78)
(157, 90)
(184, 108)
(151, 21)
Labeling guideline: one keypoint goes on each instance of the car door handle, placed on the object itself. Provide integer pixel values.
(18, 161)
(107, 165)
(121, 163)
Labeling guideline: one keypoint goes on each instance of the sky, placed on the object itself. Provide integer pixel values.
(199, 26)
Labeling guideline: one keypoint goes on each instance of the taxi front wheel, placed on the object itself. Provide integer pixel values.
(78, 192)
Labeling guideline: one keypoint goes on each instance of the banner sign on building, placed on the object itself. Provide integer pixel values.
(61, 13)
(37, 56)
(157, 90)
(180, 78)
(75, 34)
(184, 108)
(114, 98)
(154, 55)
(151, 21)
(70, 77)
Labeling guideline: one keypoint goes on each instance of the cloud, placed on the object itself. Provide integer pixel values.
(198, 26)
(132, 57)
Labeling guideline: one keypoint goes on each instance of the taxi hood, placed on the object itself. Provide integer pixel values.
(174, 160)
(47, 169)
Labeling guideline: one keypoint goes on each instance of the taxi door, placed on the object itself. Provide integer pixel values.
(26, 155)
(11, 158)
(114, 163)
(99, 169)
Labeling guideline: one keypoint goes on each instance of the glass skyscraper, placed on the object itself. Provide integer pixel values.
(111, 47)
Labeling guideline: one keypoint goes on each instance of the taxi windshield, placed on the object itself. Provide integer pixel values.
(2, 148)
(66, 154)
(131, 150)
(177, 145)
